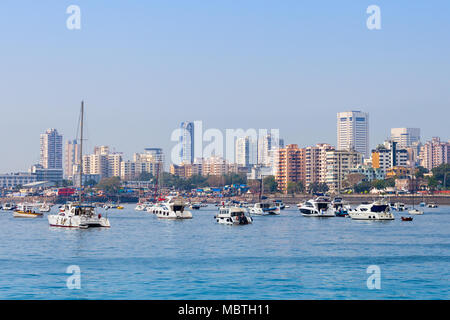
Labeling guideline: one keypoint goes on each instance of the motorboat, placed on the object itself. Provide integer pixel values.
(77, 215)
(45, 207)
(172, 208)
(26, 211)
(280, 204)
(415, 212)
(318, 207)
(377, 210)
(264, 208)
(143, 206)
(195, 206)
(340, 210)
(8, 206)
(399, 206)
(407, 218)
(233, 216)
(432, 205)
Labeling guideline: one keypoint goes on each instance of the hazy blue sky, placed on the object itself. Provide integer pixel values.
(144, 66)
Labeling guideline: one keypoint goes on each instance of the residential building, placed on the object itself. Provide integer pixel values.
(339, 165)
(434, 153)
(388, 156)
(316, 163)
(51, 154)
(291, 166)
(369, 172)
(353, 132)
(71, 158)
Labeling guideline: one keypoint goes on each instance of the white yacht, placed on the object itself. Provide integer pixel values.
(432, 205)
(75, 215)
(143, 206)
(415, 211)
(399, 206)
(377, 210)
(171, 209)
(280, 204)
(233, 216)
(319, 207)
(264, 208)
(8, 207)
(45, 207)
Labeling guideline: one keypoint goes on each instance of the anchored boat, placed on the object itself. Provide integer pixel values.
(320, 207)
(77, 215)
(233, 216)
(26, 211)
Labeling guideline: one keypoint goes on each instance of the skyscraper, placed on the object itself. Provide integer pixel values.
(51, 154)
(405, 137)
(242, 151)
(353, 132)
(187, 142)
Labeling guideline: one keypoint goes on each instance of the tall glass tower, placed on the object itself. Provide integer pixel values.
(187, 142)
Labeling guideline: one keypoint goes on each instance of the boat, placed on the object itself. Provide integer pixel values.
(422, 204)
(339, 209)
(26, 211)
(8, 207)
(264, 209)
(45, 207)
(280, 204)
(415, 212)
(319, 207)
(233, 216)
(195, 206)
(143, 206)
(377, 210)
(172, 208)
(407, 219)
(77, 215)
(432, 205)
(399, 206)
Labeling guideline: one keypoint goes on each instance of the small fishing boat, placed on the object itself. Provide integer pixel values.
(407, 218)
(26, 211)
(432, 205)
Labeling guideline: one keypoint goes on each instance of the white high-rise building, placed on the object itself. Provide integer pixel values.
(405, 137)
(51, 154)
(353, 131)
(242, 151)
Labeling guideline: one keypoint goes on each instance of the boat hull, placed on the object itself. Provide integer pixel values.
(77, 222)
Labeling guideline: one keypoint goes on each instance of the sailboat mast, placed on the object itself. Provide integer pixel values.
(81, 149)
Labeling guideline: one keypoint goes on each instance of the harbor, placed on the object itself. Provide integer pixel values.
(285, 256)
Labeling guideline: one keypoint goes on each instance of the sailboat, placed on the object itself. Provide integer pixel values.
(78, 215)
(263, 208)
(414, 211)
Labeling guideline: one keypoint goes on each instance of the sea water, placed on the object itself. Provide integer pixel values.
(277, 257)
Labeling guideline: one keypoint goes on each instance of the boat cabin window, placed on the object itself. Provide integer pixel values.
(379, 208)
(178, 208)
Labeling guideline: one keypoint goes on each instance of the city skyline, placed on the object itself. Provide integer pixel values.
(230, 65)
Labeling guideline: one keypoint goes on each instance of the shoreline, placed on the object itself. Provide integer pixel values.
(439, 199)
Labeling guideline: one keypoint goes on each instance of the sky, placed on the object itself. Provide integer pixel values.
(143, 67)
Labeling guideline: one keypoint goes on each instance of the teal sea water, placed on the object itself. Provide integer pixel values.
(278, 257)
